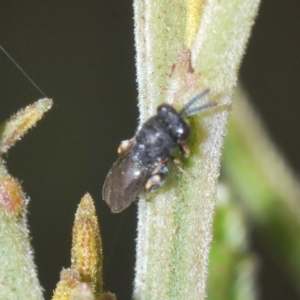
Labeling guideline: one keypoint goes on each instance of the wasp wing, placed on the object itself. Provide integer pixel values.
(125, 180)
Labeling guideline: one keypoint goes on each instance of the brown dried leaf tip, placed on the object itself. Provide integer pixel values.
(21, 122)
(84, 279)
(12, 198)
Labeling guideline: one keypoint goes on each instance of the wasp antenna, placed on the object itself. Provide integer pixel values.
(193, 101)
(26, 75)
(195, 110)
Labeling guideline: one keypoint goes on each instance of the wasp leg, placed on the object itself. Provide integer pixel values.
(158, 177)
(153, 183)
(184, 149)
(125, 146)
(177, 163)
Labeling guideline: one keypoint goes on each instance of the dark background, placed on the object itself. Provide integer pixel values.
(81, 54)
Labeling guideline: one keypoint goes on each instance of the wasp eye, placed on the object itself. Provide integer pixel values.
(164, 111)
(181, 131)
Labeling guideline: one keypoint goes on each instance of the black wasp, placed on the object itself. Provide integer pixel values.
(142, 164)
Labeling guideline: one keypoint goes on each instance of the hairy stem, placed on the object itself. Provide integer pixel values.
(184, 47)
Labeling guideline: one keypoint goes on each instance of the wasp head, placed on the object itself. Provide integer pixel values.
(178, 128)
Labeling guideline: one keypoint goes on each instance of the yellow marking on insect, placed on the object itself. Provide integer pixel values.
(154, 180)
(124, 146)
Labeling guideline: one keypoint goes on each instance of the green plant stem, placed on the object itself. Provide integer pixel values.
(17, 270)
(174, 230)
(266, 186)
(232, 266)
